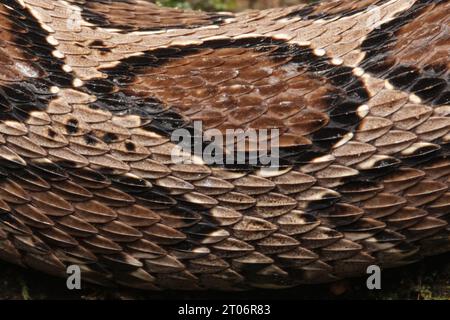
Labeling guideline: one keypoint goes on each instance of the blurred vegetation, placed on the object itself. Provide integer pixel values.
(229, 5)
(209, 5)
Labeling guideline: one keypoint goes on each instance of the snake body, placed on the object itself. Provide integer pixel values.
(91, 92)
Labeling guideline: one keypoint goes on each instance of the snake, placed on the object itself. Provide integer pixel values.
(93, 92)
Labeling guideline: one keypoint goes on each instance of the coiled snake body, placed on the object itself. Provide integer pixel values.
(91, 92)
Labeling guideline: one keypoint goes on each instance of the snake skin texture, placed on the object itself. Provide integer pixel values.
(92, 90)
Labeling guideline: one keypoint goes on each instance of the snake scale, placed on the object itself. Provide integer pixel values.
(92, 90)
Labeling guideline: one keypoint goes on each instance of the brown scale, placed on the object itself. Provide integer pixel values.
(97, 189)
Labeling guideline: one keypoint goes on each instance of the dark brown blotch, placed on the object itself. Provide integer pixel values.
(72, 126)
(110, 137)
